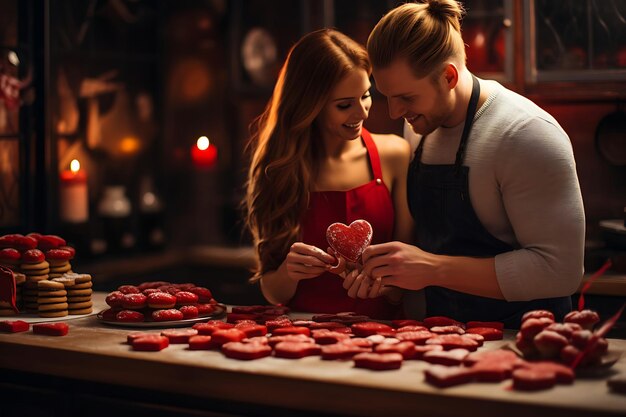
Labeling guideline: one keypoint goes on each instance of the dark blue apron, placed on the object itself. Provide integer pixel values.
(446, 224)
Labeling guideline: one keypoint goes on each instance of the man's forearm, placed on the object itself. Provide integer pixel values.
(476, 276)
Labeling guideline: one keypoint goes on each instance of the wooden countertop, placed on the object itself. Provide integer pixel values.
(93, 351)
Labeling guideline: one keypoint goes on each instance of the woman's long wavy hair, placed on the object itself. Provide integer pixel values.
(285, 157)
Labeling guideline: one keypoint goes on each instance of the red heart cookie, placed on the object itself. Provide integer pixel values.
(51, 329)
(349, 241)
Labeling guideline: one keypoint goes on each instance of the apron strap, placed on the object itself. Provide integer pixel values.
(467, 127)
(372, 152)
(469, 120)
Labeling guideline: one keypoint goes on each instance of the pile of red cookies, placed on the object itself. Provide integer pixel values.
(540, 337)
(549, 350)
(158, 301)
(450, 347)
(38, 256)
(33, 258)
(343, 336)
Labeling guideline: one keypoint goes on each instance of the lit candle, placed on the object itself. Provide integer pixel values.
(203, 154)
(73, 194)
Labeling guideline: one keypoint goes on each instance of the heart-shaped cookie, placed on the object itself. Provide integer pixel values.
(349, 241)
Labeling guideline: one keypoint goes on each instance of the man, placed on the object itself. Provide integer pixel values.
(492, 186)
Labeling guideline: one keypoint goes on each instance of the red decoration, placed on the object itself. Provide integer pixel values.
(7, 287)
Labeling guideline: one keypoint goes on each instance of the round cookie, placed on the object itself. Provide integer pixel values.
(52, 293)
(78, 278)
(79, 299)
(50, 314)
(167, 315)
(130, 301)
(79, 293)
(37, 266)
(33, 256)
(61, 268)
(186, 298)
(82, 285)
(58, 254)
(129, 316)
(57, 262)
(81, 305)
(52, 307)
(37, 278)
(50, 285)
(51, 300)
(114, 298)
(161, 300)
(10, 256)
(47, 242)
(65, 280)
(70, 249)
(87, 310)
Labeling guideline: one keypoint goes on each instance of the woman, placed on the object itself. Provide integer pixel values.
(314, 164)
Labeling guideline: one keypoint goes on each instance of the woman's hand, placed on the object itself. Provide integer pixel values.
(305, 261)
(360, 285)
(343, 267)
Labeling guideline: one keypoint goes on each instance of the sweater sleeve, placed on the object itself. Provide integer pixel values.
(537, 176)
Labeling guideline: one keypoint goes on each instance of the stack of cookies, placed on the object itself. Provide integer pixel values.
(35, 268)
(35, 259)
(34, 265)
(59, 260)
(79, 292)
(51, 299)
(30, 296)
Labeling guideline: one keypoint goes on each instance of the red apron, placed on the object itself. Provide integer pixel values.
(372, 202)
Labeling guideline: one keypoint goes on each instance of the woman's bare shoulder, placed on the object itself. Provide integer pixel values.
(391, 145)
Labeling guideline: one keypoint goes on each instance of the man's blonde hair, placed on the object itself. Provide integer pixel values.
(426, 34)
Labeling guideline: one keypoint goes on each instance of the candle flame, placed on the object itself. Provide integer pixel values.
(203, 143)
(74, 166)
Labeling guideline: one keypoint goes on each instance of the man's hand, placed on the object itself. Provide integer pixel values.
(398, 264)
